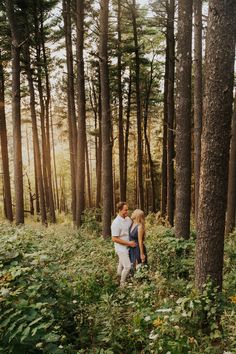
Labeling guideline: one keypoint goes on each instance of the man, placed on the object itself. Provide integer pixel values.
(120, 237)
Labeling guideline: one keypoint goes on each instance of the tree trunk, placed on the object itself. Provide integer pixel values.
(30, 195)
(16, 114)
(47, 105)
(120, 114)
(164, 139)
(81, 137)
(149, 155)
(127, 128)
(56, 198)
(183, 120)
(231, 199)
(220, 53)
(4, 147)
(71, 103)
(35, 135)
(106, 122)
(197, 98)
(88, 175)
(99, 150)
(41, 101)
(36, 187)
(170, 114)
(139, 116)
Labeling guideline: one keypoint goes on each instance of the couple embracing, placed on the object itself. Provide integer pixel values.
(128, 236)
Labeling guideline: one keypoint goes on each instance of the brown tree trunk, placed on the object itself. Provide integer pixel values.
(99, 149)
(4, 149)
(106, 122)
(231, 199)
(88, 175)
(183, 120)
(81, 137)
(164, 139)
(197, 98)
(71, 103)
(56, 197)
(31, 197)
(127, 128)
(138, 103)
(36, 188)
(220, 53)
(16, 114)
(170, 114)
(47, 105)
(149, 155)
(120, 114)
(41, 101)
(35, 135)
(97, 126)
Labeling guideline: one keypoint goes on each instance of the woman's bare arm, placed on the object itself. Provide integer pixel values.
(140, 242)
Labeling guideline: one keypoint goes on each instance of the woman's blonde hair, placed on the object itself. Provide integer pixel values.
(139, 217)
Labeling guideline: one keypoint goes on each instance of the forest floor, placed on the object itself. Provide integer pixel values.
(59, 294)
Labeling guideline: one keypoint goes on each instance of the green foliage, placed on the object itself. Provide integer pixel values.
(59, 294)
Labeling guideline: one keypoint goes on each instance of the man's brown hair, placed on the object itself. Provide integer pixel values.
(120, 205)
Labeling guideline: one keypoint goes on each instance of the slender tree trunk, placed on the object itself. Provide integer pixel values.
(30, 195)
(183, 120)
(41, 100)
(120, 114)
(149, 155)
(35, 135)
(16, 114)
(56, 198)
(220, 54)
(4, 149)
(48, 145)
(71, 103)
(231, 200)
(197, 98)
(98, 144)
(36, 187)
(88, 175)
(164, 140)
(127, 128)
(106, 122)
(170, 114)
(139, 115)
(81, 138)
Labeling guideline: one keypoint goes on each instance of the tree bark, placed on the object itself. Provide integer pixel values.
(88, 175)
(56, 197)
(220, 53)
(165, 118)
(71, 103)
(138, 103)
(47, 114)
(170, 114)
(149, 155)
(120, 113)
(107, 187)
(197, 98)
(183, 120)
(41, 101)
(81, 137)
(35, 135)
(231, 199)
(16, 113)
(127, 128)
(4, 147)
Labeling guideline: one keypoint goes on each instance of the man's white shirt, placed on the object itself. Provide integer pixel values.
(120, 228)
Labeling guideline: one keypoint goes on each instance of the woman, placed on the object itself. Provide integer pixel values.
(138, 254)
